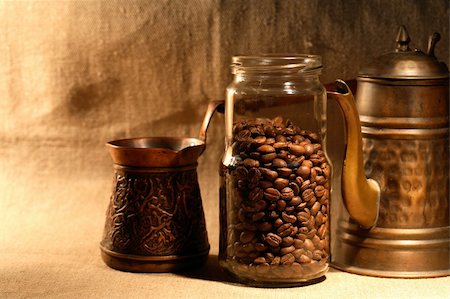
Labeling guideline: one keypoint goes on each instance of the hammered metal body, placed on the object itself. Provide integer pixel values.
(155, 220)
(406, 150)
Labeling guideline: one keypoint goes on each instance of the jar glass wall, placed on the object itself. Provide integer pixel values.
(275, 175)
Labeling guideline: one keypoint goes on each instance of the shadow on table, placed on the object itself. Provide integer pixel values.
(209, 271)
(212, 271)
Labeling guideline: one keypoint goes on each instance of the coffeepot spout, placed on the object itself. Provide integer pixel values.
(361, 196)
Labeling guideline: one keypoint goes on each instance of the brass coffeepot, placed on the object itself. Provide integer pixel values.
(403, 102)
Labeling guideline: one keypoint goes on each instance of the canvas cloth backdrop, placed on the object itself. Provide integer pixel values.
(75, 74)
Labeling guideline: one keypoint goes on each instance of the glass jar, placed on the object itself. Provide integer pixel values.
(275, 175)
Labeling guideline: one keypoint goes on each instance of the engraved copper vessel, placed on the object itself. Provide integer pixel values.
(155, 220)
(403, 101)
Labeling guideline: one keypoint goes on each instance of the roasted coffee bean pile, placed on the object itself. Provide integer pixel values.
(281, 193)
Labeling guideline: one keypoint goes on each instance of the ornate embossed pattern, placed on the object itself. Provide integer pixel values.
(155, 214)
(414, 180)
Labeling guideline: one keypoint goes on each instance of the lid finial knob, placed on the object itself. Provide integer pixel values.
(402, 40)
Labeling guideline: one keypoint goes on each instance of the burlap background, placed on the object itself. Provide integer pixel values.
(74, 74)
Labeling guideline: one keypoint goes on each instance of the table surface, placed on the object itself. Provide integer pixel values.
(49, 244)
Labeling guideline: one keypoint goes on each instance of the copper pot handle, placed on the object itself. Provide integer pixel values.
(213, 106)
(361, 195)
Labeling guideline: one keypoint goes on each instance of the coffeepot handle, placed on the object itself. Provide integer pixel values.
(213, 106)
(361, 196)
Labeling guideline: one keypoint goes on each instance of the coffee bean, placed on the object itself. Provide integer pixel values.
(242, 184)
(297, 139)
(283, 154)
(266, 149)
(279, 163)
(276, 261)
(239, 226)
(317, 255)
(304, 259)
(298, 243)
(256, 194)
(319, 191)
(269, 257)
(241, 173)
(287, 193)
(302, 237)
(243, 135)
(287, 259)
(260, 205)
(295, 201)
(265, 227)
(289, 218)
(321, 180)
(284, 171)
(295, 188)
(280, 138)
(259, 260)
(303, 216)
(307, 163)
(320, 219)
(281, 205)
(308, 245)
(294, 231)
(311, 222)
(258, 216)
(310, 234)
(250, 247)
(260, 140)
(315, 208)
(315, 159)
(324, 244)
(268, 174)
(265, 184)
(293, 164)
(297, 150)
(280, 146)
(284, 230)
(270, 141)
(273, 240)
(273, 215)
(309, 149)
(286, 250)
(322, 231)
(246, 236)
(299, 181)
(272, 194)
(254, 175)
(289, 209)
(268, 157)
(304, 171)
(248, 208)
(316, 240)
(297, 253)
(287, 241)
(241, 215)
(255, 155)
(260, 247)
(278, 222)
(249, 163)
(307, 195)
(280, 183)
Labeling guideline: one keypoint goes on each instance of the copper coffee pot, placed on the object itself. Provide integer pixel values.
(155, 220)
(403, 101)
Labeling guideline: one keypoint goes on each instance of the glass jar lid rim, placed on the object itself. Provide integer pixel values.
(274, 62)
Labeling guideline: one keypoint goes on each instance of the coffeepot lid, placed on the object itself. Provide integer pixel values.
(405, 63)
